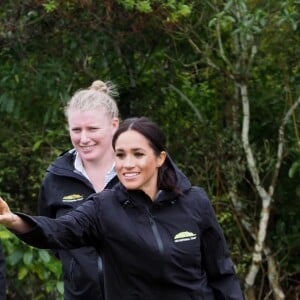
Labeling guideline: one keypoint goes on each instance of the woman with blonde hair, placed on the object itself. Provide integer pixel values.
(92, 118)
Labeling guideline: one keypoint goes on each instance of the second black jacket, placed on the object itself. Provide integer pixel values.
(62, 190)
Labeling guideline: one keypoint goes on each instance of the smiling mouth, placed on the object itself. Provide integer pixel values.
(86, 148)
(128, 175)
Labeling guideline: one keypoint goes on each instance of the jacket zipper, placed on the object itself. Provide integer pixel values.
(155, 232)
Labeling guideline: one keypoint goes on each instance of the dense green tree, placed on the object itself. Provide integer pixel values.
(193, 66)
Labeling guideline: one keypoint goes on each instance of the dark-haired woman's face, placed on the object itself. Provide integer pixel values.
(136, 163)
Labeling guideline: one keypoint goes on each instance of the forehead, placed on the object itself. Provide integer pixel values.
(132, 139)
(95, 115)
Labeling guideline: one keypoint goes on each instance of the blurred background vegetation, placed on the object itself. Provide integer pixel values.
(183, 63)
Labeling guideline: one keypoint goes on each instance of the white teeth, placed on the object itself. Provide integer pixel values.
(86, 148)
(130, 174)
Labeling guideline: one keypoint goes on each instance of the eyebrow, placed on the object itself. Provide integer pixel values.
(132, 149)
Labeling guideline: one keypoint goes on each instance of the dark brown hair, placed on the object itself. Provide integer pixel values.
(152, 132)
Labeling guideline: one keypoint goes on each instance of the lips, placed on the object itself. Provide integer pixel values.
(86, 148)
(131, 174)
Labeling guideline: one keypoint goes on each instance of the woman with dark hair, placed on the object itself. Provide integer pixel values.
(159, 235)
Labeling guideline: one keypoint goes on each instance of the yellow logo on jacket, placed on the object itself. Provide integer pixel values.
(72, 198)
(184, 236)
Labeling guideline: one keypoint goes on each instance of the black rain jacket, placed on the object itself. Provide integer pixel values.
(171, 248)
(62, 190)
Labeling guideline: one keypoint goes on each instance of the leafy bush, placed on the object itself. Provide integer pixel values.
(30, 273)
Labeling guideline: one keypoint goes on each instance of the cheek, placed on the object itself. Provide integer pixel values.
(74, 138)
(118, 164)
(153, 167)
(153, 171)
(106, 137)
(100, 136)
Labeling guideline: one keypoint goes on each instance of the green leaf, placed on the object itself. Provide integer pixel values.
(27, 258)
(60, 286)
(44, 255)
(294, 169)
(15, 258)
(5, 234)
(22, 273)
(144, 6)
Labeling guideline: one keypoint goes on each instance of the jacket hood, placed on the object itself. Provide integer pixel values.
(63, 163)
(64, 166)
(183, 183)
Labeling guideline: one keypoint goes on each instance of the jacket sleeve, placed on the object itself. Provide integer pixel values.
(76, 229)
(44, 206)
(217, 263)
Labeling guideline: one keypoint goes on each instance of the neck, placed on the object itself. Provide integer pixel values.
(96, 170)
(103, 163)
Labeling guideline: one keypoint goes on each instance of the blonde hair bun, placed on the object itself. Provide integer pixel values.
(99, 94)
(99, 85)
(105, 87)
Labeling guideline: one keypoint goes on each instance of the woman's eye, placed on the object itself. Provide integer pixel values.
(76, 130)
(139, 154)
(119, 155)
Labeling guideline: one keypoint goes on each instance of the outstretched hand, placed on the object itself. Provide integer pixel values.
(7, 218)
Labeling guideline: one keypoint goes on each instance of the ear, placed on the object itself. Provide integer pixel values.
(161, 158)
(115, 124)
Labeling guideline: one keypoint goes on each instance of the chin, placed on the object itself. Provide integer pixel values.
(130, 186)
(88, 157)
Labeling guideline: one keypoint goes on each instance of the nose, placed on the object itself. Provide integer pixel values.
(84, 137)
(128, 161)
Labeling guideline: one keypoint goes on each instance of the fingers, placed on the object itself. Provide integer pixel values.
(6, 217)
(3, 206)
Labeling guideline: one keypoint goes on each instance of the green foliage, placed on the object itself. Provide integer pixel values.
(166, 59)
(290, 14)
(50, 5)
(175, 9)
(30, 267)
(295, 167)
(31, 273)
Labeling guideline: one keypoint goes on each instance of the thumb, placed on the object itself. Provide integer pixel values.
(4, 208)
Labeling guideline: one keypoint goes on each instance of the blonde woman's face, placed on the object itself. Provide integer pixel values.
(91, 133)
